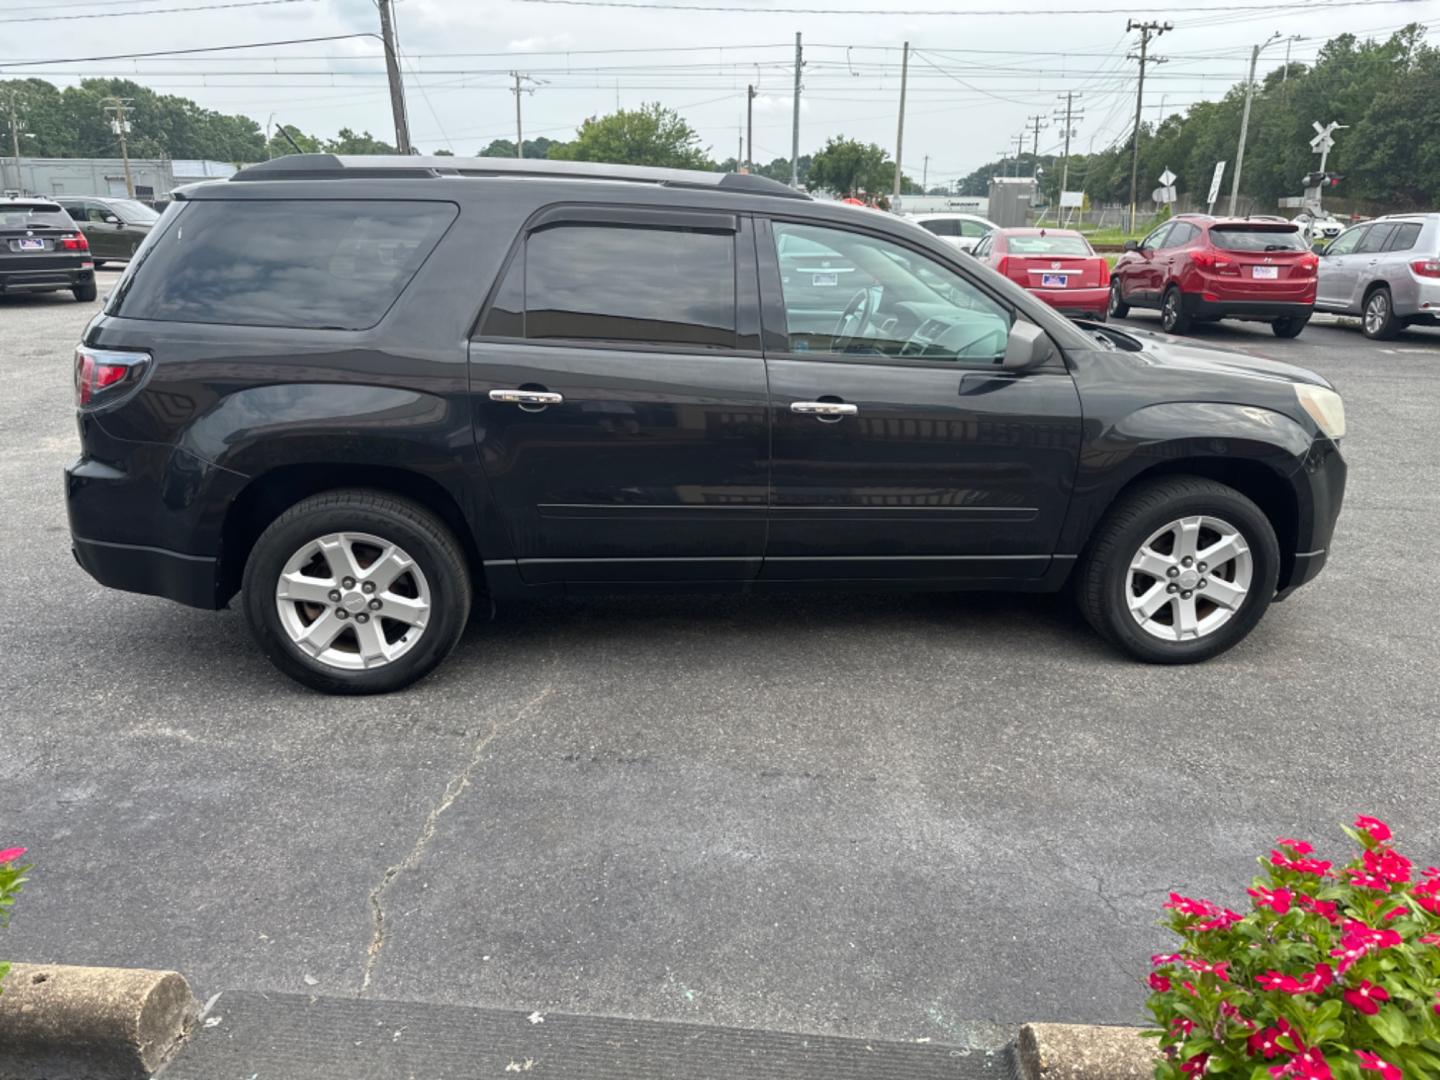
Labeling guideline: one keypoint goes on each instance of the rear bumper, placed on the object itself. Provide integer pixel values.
(15, 281)
(189, 579)
(1196, 306)
(1076, 301)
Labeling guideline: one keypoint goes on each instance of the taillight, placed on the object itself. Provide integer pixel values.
(101, 374)
(1213, 260)
(1003, 266)
(1426, 267)
(1310, 263)
(74, 243)
(1104, 272)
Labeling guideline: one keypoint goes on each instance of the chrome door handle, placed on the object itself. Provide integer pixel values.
(526, 397)
(826, 410)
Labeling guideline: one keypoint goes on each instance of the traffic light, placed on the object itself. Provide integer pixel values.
(1322, 179)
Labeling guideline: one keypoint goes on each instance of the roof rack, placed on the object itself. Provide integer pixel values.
(393, 167)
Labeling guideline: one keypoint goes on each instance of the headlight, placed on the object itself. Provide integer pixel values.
(1324, 406)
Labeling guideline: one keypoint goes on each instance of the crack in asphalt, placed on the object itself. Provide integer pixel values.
(453, 789)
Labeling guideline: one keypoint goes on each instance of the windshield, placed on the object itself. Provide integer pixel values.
(1257, 238)
(1048, 245)
(136, 213)
(34, 217)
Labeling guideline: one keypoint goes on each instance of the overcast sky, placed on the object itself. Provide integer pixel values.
(975, 79)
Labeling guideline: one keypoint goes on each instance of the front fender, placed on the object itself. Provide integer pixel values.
(1212, 434)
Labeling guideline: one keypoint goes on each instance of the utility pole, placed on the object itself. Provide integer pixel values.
(750, 128)
(900, 127)
(15, 125)
(1070, 117)
(1035, 122)
(1019, 151)
(1245, 120)
(517, 91)
(925, 175)
(116, 107)
(392, 69)
(795, 120)
(1147, 31)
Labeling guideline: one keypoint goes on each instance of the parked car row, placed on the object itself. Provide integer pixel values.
(49, 245)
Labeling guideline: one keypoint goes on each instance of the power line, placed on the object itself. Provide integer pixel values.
(639, 6)
(154, 11)
(177, 52)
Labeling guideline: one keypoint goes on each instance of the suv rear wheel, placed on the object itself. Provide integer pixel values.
(86, 291)
(1379, 321)
(1172, 312)
(356, 592)
(1118, 308)
(1179, 571)
(1291, 327)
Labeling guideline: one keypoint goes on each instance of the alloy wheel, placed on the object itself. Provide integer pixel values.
(1171, 314)
(1189, 578)
(1377, 311)
(353, 600)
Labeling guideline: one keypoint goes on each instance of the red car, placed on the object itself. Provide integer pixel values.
(1057, 265)
(1196, 268)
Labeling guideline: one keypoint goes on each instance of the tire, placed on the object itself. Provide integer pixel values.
(1173, 319)
(1118, 308)
(1291, 327)
(86, 291)
(1377, 318)
(1106, 583)
(433, 589)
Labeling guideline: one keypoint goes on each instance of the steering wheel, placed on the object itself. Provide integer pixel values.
(855, 318)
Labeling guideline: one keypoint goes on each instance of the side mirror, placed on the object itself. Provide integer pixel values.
(1028, 347)
(1132, 245)
(1319, 247)
(111, 219)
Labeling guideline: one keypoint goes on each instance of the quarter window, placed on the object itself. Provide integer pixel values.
(972, 228)
(859, 296)
(304, 263)
(627, 283)
(1375, 239)
(942, 226)
(1404, 237)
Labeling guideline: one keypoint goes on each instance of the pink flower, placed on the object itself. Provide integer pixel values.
(1326, 909)
(1299, 847)
(1186, 906)
(1313, 983)
(1396, 912)
(11, 854)
(1378, 1064)
(1277, 899)
(1378, 830)
(1429, 939)
(1164, 958)
(1307, 1065)
(1318, 867)
(1231, 1012)
(1357, 934)
(1182, 1025)
(1221, 920)
(1159, 983)
(1389, 864)
(1263, 1043)
(1194, 1066)
(1205, 967)
(1368, 881)
(1367, 997)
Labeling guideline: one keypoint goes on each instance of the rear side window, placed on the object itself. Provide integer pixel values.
(972, 228)
(621, 283)
(1404, 237)
(942, 226)
(1376, 239)
(34, 217)
(1257, 238)
(1049, 245)
(311, 264)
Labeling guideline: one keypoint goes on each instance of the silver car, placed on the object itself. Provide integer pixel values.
(1387, 271)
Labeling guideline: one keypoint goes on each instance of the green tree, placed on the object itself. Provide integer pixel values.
(279, 146)
(534, 148)
(348, 142)
(649, 135)
(848, 167)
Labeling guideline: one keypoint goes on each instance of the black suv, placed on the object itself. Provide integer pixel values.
(360, 391)
(41, 250)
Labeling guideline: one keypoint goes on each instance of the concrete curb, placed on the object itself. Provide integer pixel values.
(90, 1023)
(1083, 1052)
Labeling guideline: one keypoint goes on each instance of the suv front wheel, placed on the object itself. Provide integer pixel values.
(356, 592)
(1179, 571)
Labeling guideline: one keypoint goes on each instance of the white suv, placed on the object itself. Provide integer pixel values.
(962, 230)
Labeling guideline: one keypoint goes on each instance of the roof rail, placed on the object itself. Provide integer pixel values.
(340, 166)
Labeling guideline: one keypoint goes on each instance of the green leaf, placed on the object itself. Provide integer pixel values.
(1390, 1025)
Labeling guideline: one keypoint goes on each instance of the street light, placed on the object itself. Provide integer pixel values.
(1245, 118)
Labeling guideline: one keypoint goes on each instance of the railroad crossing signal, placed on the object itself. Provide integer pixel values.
(1165, 193)
(1167, 178)
(1324, 135)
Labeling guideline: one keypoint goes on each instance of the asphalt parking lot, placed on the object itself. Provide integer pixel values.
(897, 816)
